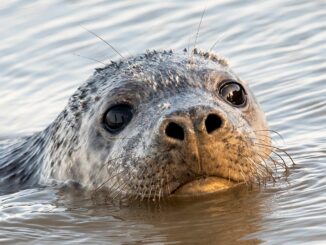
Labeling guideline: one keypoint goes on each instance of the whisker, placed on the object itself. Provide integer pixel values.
(199, 25)
(253, 167)
(103, 40)
(279, 149)
(270, 130)
(108, 161)
(273, 150)
(242, 174)
(252, 171)
(119, 190)
(219, 39)
(92, 59)
(150, 190)
(111, 177)
(276, 163)
(269, 171)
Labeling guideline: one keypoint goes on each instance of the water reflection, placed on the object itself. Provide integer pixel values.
(221, 218)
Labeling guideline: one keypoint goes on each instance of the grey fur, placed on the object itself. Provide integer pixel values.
(140, 160)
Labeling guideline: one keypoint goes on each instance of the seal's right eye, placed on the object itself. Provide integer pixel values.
(117, 117)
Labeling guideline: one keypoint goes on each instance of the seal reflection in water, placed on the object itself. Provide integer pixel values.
(150, 126)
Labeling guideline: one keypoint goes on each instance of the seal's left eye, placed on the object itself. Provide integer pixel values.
(233, 93)
(117, 117)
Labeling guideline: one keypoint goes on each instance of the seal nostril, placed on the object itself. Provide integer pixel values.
(212, 123)
(175, 131)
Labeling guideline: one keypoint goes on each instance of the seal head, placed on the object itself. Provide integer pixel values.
(151, 124)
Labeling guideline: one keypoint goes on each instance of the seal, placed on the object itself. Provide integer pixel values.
(150, 126)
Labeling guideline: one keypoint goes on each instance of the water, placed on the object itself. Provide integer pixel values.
(279, 46)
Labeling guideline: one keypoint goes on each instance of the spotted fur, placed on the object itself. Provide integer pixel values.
(139, 161)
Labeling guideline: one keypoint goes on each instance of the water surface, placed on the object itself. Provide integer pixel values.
(278, 46)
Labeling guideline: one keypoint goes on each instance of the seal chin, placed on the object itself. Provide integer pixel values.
(204, 185)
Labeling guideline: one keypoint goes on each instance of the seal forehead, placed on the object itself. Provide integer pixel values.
(173, 65)
(156, 71)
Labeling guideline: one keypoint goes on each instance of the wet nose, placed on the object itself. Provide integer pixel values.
(178, 127)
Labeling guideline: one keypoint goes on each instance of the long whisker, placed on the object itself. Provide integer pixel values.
(92, 59)
(103, 40)
(118, 190)
(279, 149)
(276, 163)
(267, 168)
(272, 131)
(219, 39)
(242, 174)
(199, 25)
(254, 169)
(111, 177)
(267, 146)
(151, 188)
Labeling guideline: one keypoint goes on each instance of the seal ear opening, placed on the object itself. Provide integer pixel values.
(175, 131)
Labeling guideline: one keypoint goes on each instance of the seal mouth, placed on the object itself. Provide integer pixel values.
(204, 185)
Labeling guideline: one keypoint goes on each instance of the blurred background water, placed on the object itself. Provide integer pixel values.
(279, 46)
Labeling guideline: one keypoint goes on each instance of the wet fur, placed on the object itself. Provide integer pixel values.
(137, 162)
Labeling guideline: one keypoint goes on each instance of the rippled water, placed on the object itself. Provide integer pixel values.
(279, 46)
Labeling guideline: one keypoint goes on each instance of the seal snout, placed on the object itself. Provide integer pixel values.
(190, 133)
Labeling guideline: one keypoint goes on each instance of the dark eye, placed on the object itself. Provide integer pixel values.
(117, 117)
(233, 93)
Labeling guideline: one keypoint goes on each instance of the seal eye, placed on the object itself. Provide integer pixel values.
(117, 117)
(233, 93)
